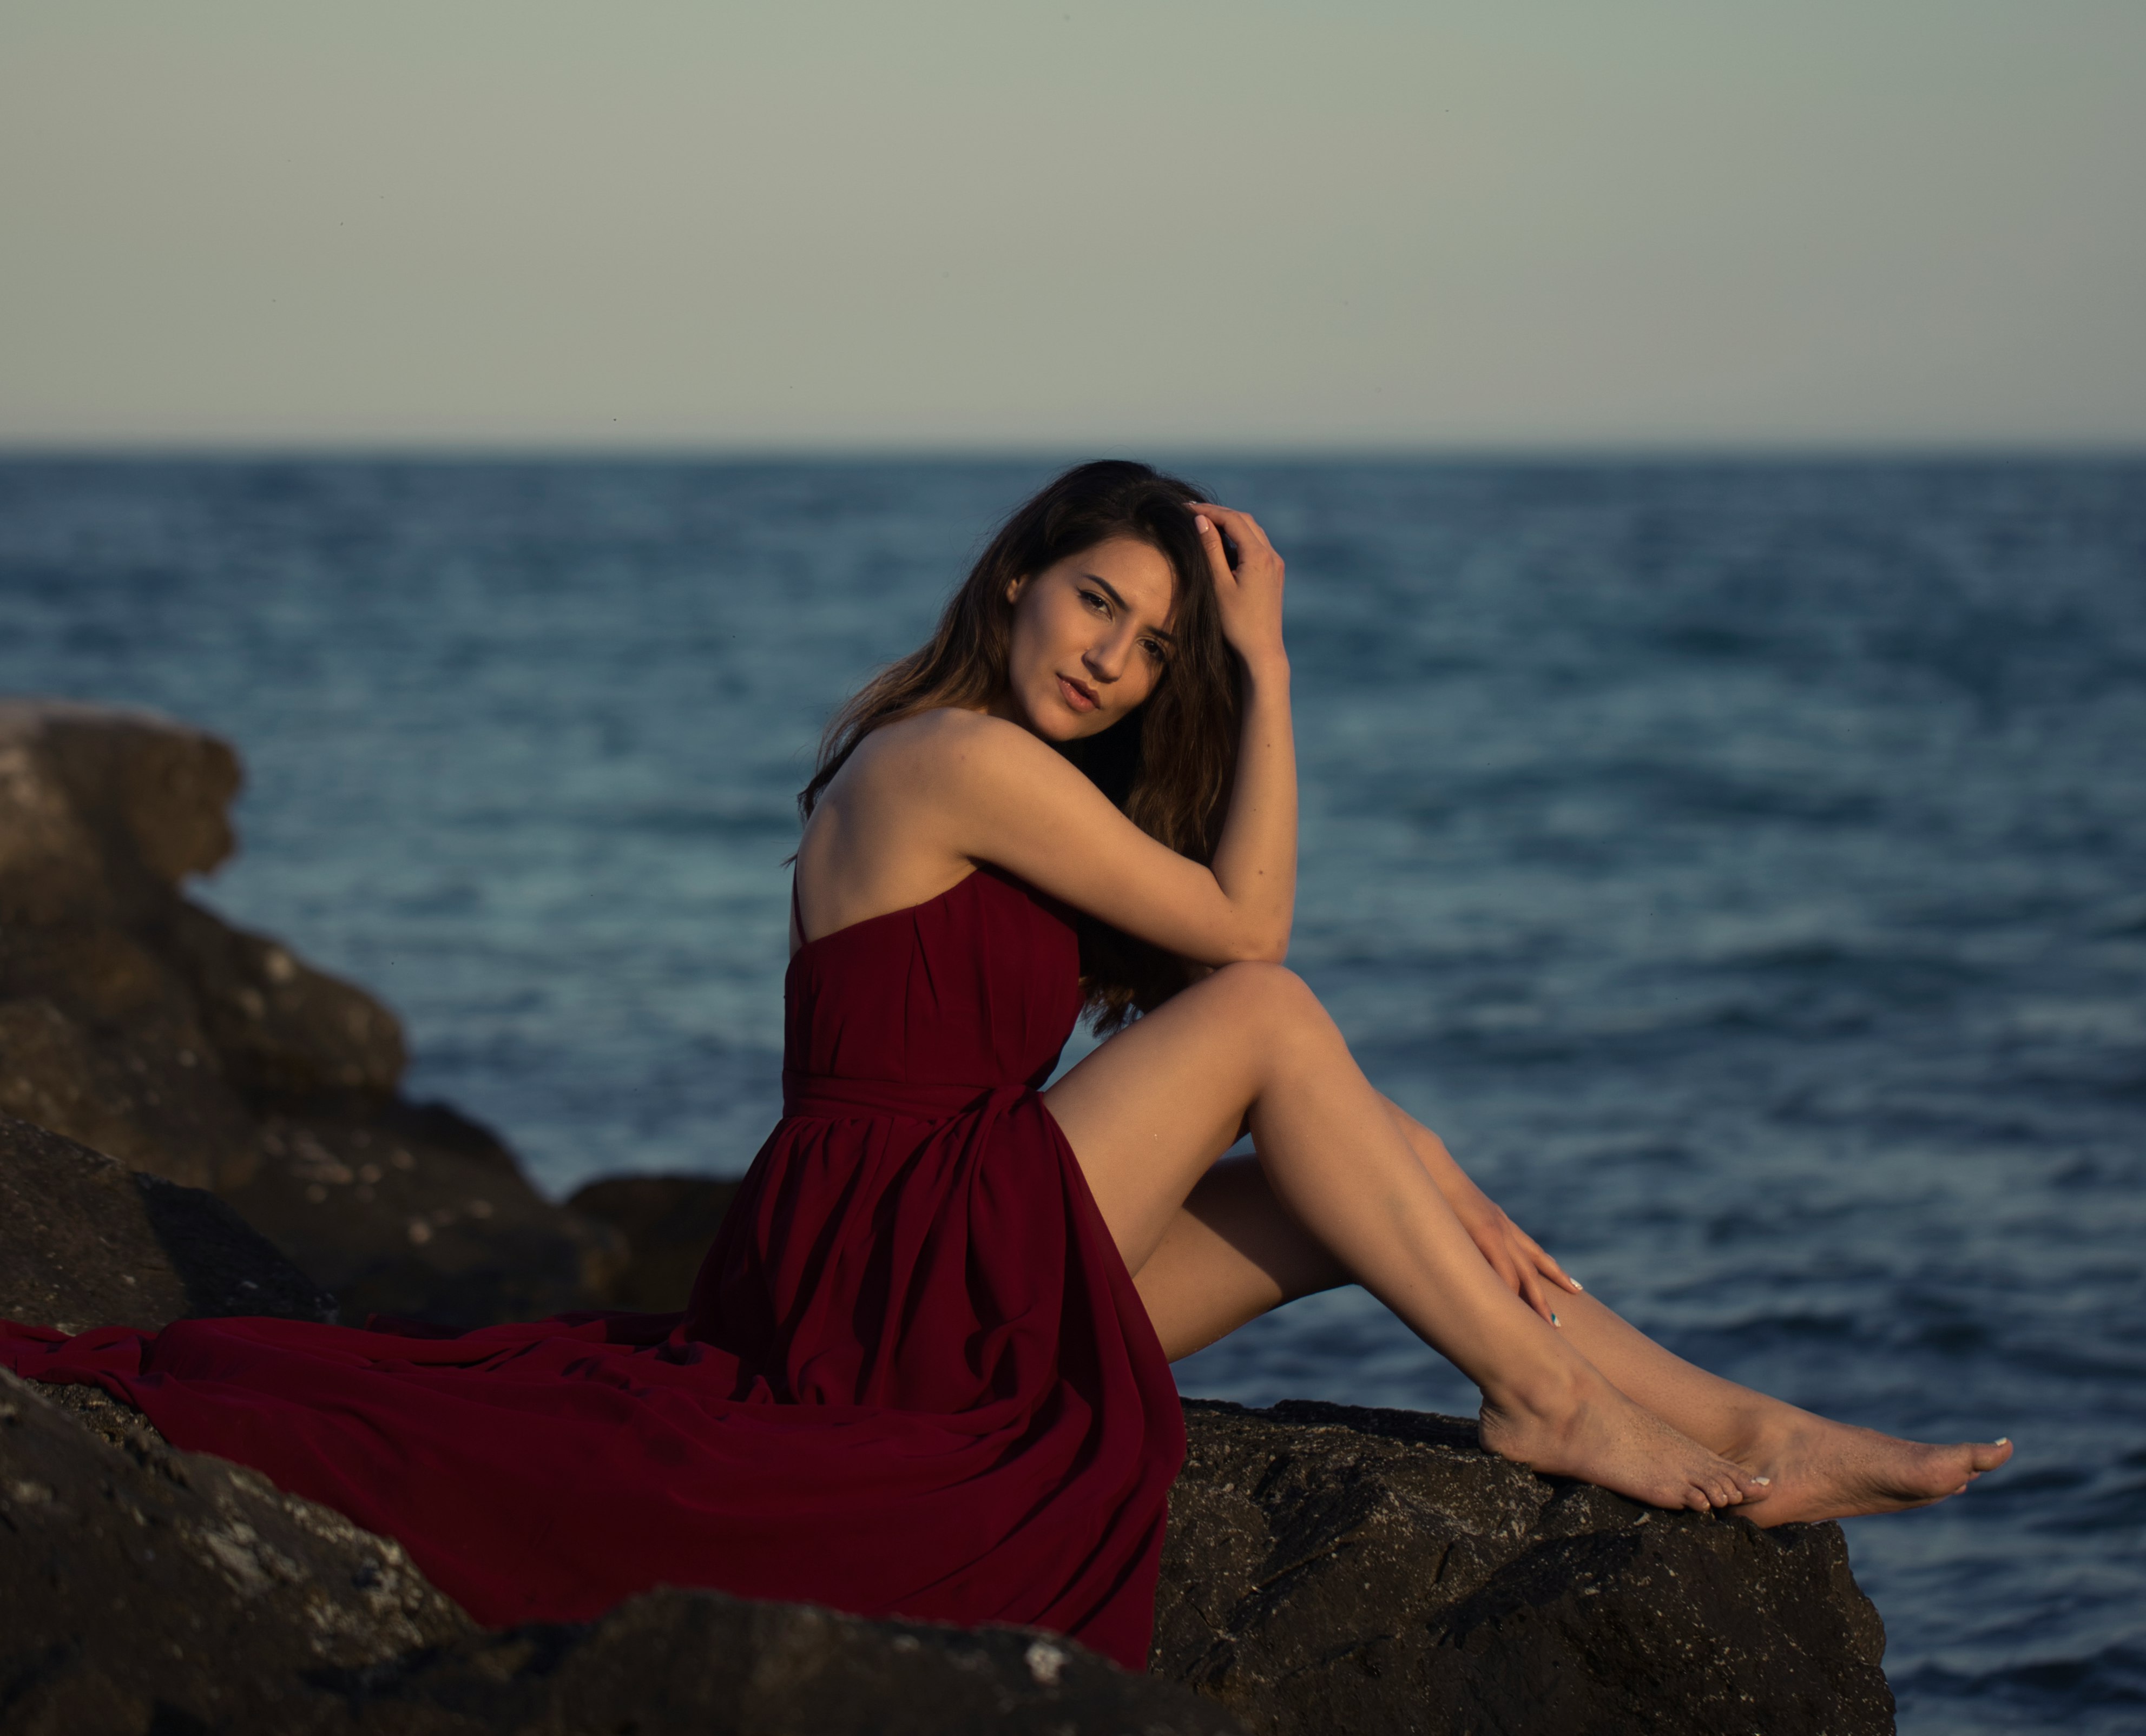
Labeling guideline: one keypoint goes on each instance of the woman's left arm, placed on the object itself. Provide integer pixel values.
(1256, 856)
(1513, 1254)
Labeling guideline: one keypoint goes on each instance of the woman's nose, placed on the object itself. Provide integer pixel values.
(1106, 658)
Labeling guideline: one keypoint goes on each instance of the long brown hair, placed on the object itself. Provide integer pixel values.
(1167, 766)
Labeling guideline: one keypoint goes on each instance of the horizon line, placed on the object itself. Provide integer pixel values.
(1957, 450)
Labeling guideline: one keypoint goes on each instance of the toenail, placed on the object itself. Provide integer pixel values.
(1763, 1481)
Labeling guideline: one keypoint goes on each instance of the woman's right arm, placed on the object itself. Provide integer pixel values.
(994, 793)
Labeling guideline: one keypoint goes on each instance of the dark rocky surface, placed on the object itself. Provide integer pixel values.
(666, 1223)
(412, 1211)
(139, 1584)
(1330, 1569)
(147, 1592)
(85, 1242)
(140, 1023)
(1372, 1572)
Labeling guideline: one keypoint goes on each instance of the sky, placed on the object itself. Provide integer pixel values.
(860, 225)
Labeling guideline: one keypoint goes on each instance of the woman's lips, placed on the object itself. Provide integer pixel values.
(1077, 694)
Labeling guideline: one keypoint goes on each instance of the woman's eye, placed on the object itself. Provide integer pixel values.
(1097, 598)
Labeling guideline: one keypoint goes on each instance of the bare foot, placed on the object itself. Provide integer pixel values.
(1602, 1437)
(1825, 1470)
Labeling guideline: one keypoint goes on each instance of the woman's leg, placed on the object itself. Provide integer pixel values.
(1234, 1252)
(1148, 1112)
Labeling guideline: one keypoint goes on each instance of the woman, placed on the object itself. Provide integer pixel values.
(924, 1371)
(1115, 590)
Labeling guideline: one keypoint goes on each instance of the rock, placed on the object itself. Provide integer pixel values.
(85, 1243)
(145, 1590)
(1335, 1568)
(108, 1418)
(419, 1214)
(667, 1222)
(1338, 1571)
(282, 1029)
(151, 1096)
(140, 1023)
(695, 1661)
(103, 810)
(142, 1586)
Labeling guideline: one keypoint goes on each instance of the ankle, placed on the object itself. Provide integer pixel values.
(1758, 1430)
(1549, 1393)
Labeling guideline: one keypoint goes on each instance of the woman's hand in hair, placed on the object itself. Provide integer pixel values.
(1248, 598)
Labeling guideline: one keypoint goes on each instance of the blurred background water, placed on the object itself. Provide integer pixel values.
(1743, 866)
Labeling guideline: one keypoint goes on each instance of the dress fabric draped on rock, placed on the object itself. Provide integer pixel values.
(913, 1378)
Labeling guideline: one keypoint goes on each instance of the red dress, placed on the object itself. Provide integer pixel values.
(913, 1378)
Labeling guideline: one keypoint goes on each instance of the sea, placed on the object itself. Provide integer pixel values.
(1742, 864)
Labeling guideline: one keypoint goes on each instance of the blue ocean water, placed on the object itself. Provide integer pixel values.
(1743, 866)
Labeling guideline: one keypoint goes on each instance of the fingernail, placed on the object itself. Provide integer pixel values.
(1200, 521)
(2003, 1440)
(1577, 1284)
(1553, 1319)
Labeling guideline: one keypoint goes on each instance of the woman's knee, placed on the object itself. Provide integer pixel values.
(1269, 997)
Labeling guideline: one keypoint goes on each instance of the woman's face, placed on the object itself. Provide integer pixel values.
(1091, 639)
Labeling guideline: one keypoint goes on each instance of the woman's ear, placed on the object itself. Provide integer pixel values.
(1013, 588)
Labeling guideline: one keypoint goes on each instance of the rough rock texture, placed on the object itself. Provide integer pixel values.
(1330, 1569)
(147, 1592)
(412, 1211)
(83, 1243)
(1323, 1593)
(141, 1025)
(137, 1582)
(666, 1223)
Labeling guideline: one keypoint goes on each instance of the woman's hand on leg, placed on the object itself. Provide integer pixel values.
(1514, 1255)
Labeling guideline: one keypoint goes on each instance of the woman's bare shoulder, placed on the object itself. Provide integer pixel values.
(947, 741)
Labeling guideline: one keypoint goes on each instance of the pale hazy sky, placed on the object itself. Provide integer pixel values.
(865, 223)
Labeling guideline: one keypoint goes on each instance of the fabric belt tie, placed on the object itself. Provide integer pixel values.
(827, 1097)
